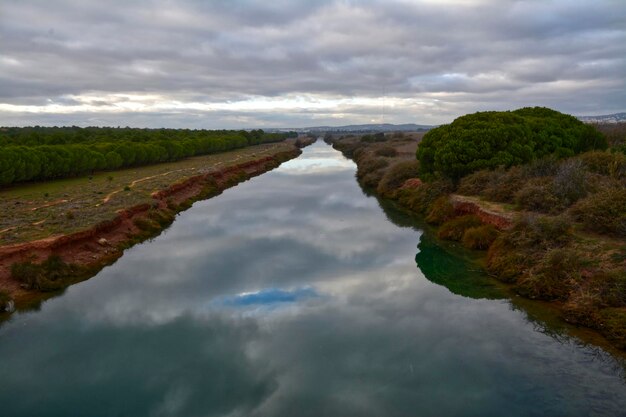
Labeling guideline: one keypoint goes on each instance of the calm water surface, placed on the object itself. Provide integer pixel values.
(294, 294)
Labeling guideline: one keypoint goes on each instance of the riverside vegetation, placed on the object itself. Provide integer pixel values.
(540, 193)
(44, 153)
(64, 231)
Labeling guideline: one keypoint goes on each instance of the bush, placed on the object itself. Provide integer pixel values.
(476, 182)
(538, 195)
(554, 278)
(162, 217)
(570, 183)
(603, 212)
(372, 179)
(504, 185)
(504, 263)
(542, 167)
(6, 302)
(386, 151)
(480, 237)
(146, 224)
(614, 326)
(455, 229)
(539, 232)
(611, 285)
(421, 199)
(582, 309)
(440, 211)
(367, 165)
(611, 164)
(51, 275)
(396, 175)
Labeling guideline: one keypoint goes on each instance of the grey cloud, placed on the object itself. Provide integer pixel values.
(464, 56)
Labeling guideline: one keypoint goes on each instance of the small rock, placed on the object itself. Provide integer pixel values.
(103, 242)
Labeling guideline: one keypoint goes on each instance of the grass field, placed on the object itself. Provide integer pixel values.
(40, 210)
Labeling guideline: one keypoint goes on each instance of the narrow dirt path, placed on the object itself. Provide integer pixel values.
(53, 203)
(132, 184)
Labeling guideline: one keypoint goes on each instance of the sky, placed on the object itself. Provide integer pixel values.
(280, 63)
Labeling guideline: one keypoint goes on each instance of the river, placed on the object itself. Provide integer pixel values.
(296, 294)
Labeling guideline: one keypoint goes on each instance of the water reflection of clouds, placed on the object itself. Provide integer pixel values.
(285, 297)
(315, 166)
(268, 297)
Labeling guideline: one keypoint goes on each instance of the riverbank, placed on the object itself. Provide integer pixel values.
(35, 269)
(541, 256)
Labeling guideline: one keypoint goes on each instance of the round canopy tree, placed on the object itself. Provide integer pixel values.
(487, 140)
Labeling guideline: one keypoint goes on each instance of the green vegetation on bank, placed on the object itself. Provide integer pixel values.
(487, 140)
(43, 209)
(42, 153)
(559, 228)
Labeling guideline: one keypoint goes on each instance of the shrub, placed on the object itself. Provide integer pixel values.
(611, 164)
(162, 217)
(4, 298)
(372, 179)
(538, 195)
(504, 184)
(611, 285)
(480, 237)
(582, 309)
(51, 275)
(476, 182)
(440, 211)
(396, 175)
(455, 228)
(506, 262)
(146, 224)
(386, 151)
(542, 167)
(538, 232)
(603, 212)
(421, 199)
(554, 278)
(357, 153)
(570, 183)
(614, 326)
(367, 165)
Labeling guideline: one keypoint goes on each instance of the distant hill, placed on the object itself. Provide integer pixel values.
(607, 118)
(384, 127)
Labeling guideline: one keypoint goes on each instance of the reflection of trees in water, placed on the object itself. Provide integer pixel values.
(439, 265)
(442, 266)
(454, 273)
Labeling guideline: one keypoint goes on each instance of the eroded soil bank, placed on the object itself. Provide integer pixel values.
(25, 275)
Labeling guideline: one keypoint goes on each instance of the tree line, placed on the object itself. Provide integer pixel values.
(44, 153)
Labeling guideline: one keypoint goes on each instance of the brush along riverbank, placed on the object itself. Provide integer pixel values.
(33, 270)
(553, 230)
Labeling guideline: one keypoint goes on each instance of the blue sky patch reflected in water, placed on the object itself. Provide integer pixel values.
(269, 297)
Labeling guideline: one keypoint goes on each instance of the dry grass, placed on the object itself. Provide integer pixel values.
(41, 210)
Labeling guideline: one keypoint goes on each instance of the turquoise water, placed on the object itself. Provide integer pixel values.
(295, 294)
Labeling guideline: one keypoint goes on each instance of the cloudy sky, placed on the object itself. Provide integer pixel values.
(259, 63)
